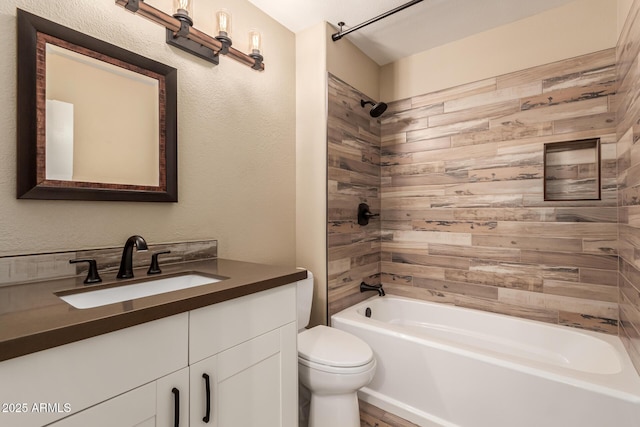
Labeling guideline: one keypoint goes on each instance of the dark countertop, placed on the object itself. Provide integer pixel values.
(33, 318)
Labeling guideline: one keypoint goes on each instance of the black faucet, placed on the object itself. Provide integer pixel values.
(92, 274)
(154, 268)
(378, 288)
(126, 263)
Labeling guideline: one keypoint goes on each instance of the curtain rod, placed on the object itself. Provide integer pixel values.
(337, 36)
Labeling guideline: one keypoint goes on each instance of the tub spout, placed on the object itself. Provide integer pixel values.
(378, 288)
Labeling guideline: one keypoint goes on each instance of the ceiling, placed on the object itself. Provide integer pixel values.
(420, 27)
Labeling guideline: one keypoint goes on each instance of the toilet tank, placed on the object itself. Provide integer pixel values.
(304, 300)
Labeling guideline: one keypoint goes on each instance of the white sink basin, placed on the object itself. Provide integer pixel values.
(106, 296)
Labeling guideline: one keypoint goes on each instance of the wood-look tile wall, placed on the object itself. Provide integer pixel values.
(464, 221)
(628, 75)
(353, 174)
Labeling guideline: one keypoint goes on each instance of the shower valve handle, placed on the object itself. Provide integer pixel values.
(364, 214)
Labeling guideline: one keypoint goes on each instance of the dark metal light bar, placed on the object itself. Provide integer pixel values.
(174, 26)
(337, 36)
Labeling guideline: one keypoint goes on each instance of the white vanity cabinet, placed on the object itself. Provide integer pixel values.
(164, 402)
(132, 409)
(246, 346)
(52, 384)
(243, 361)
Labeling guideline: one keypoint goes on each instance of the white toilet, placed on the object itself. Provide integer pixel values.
(333, 365)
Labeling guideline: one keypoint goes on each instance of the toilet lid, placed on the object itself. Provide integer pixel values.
(333, 347)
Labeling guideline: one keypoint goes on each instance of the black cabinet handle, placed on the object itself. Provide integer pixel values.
(176, 404)
(207, 387)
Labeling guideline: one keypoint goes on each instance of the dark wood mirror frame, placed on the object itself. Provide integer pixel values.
(31, 181)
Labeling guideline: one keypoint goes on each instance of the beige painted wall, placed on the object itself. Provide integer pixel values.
(624, 6)
(347, 62)
(311, 162)
(236, 142)
(577, 28)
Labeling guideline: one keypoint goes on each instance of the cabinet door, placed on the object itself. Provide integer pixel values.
(173, 400)
(203, 392)
(132, 409)
(253, 384)
(152, 405)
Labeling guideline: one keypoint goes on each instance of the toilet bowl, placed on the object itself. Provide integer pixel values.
(332, 365)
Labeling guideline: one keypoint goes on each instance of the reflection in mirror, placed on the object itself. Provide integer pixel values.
(59, 142)
(95, 122)
(85, 141)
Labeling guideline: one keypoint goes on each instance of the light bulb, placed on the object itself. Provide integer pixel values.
(182, 6)
(223, 23)
(255, 41)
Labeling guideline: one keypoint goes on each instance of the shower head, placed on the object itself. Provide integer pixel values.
(377, 109)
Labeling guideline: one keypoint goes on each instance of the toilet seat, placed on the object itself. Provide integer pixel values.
(341, 370)
(332, 350)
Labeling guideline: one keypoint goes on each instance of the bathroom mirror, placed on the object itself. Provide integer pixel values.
(572, 170)
(95, 121)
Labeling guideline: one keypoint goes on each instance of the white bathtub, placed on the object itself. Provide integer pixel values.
(440, 365)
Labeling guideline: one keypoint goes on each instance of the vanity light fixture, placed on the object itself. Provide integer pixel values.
(255, 46)
(223, 26)
(182, 34)
(183, 11)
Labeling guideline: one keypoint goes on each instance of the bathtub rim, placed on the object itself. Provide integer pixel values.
(625, 386)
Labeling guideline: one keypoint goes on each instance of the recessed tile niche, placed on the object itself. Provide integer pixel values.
(572, 170)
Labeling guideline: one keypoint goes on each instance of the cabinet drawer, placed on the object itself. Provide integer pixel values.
(218, 327)
(87, 372)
